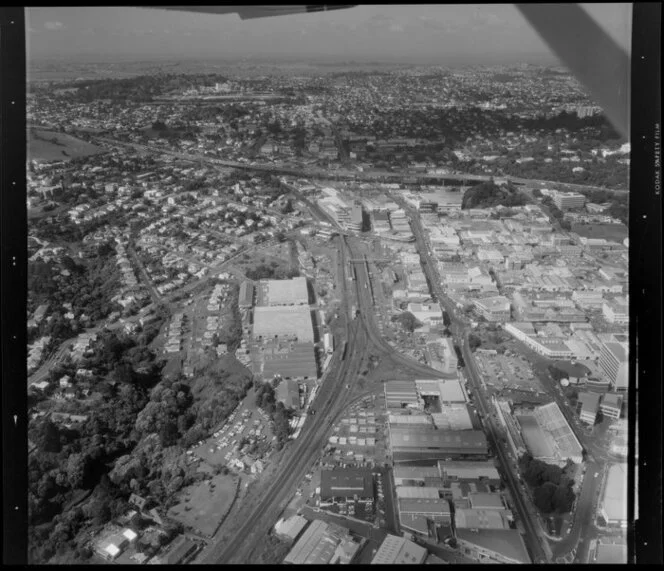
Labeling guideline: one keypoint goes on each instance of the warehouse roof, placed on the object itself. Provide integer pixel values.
(417, 492)
(614, 502)
(283, 292)
(453, 417)
(283, 322)
(346, 482)
(289, 360)
(414, 437)
(399, 550)
(507, 542)
(480, 519)
(480, 500)
(469, 470)
(430, 506)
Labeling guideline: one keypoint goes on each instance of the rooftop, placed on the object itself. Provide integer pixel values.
(399, 550)
(614, 502)
(506, 542)
(283, 292)
(346, 483)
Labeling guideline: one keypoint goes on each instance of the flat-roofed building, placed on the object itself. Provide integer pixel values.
(614, 311)
(589, 403)
(613, 361)
(453, 417)
(282, 292)
(460, 471)
(288, 392)
(246, 297)
(289, 360)
(568, 200)
(339, 486)
(493, 545)
(411, 492)
(470, 518)
(483, 500)
(449, 391)
(409, 419)
(293, 322)
(610, 553)
(291, 528)
(435, 509)
(424, 444)
(496, 308)
(611, 405)
(397, 550)
(404, 474)
(613, 507)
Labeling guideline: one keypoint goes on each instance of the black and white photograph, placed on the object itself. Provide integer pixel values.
(331, 284)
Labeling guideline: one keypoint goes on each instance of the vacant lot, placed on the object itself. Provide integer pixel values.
(203, 505)
(52, 146)
(613, 232)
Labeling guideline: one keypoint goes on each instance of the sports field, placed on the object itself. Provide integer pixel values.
(612, 232)
(51, 146)
(203, 505)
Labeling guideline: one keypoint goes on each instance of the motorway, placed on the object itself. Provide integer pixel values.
(371, 176)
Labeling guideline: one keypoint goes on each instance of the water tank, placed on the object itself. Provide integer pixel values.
(564, 382)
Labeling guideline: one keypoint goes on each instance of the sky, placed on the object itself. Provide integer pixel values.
(440, 33)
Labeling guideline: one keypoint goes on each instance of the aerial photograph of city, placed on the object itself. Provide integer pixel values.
(327, 286)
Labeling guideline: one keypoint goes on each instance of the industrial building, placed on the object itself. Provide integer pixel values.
(613, 507)
(401, 394)
(448, 391)
(416, 514)
(493, 545)
(288, 392)
(465, 471)
(288, 359)
(549, 437)
(340, 486)
(282, 292)
(291, 528)
(246, 297)
(321, 544)
(397, 550)
(276, 322)
(426, 444)
(453, 417)
(471, 518)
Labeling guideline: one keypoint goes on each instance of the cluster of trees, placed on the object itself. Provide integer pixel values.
(474, 341)
(556, 213)
(552, 488)
(407, 320)
(141, 88)
(279, 414)
(488, 194)
(271, 271)
(89, 287)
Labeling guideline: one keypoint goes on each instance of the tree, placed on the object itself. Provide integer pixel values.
(543, 497)
(474, 341)
(537, 193)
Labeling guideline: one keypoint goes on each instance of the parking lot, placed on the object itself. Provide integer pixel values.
(246, 425)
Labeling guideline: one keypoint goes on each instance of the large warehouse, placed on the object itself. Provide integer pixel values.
(426, 444)
(281, 322)
(614, 502)
(282, 292)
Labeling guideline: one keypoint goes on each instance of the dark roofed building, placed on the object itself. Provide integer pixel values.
(340, 485)
(288, 392)
(181, 551)
(493, 545)
(413, 443)
(246, 298)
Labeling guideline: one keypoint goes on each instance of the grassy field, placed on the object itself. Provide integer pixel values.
(52, 146)
(204, 504)
(613, 232)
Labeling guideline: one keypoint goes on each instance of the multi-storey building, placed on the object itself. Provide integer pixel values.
(613, 362)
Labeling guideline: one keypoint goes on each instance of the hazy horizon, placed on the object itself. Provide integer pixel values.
(455, 35)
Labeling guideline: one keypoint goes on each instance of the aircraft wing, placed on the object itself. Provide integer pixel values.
(247, 12)
(595, 59)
